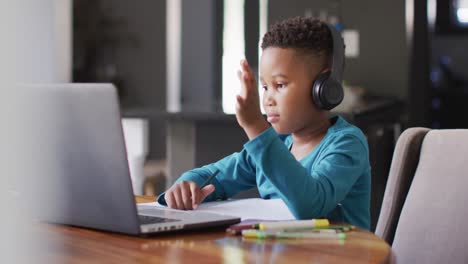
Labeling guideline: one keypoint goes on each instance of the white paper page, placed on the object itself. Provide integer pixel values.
(253, 208)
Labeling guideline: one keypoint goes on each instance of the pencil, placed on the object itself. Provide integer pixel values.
(209, 179)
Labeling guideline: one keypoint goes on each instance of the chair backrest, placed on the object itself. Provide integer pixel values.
(404, 163)
(432, 225)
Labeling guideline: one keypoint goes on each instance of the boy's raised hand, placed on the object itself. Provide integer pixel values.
(248, 112)
(186, 195)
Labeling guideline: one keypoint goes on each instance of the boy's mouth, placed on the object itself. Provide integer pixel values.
(273, 117)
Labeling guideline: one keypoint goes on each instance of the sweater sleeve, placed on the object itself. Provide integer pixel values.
(236, 174)
(314, 193)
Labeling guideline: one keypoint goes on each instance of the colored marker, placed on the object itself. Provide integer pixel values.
(237, 229)
(294, 225)
(252, 233)
(343, 228)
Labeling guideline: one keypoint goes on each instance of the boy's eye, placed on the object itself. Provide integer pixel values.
(264, 87)
(281, 85)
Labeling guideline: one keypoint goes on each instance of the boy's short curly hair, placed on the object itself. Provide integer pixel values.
(309, 35)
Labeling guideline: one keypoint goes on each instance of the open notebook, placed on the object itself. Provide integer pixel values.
(252, 208)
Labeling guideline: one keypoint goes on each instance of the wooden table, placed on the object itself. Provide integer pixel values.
(77, 245)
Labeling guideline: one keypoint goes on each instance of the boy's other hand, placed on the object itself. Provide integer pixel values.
(186, 195)
(248, 112)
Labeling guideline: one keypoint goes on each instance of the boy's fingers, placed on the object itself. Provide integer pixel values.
(239, 99)
(253, 81)
(169, 197)
(178, 199)
(207, 190)
(248, 86)
(243, 63)
(244, 91)
(248, 95)
(249, 83)
(240, 102)
(246, 68)
(186, 196)
(195, 195)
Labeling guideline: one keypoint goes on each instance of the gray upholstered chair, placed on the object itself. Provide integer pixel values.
(404, 163)
(432, 224)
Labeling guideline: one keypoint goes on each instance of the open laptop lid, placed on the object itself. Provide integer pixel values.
(85, 163)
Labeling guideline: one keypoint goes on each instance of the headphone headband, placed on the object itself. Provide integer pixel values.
(338, 55)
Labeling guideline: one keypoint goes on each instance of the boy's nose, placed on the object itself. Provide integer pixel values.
(268, 99)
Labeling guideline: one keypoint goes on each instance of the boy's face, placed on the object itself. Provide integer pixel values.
(286, 77)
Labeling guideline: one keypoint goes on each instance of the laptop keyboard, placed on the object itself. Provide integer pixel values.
(145, 219)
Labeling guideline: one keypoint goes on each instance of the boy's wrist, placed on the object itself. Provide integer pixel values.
(255, 129)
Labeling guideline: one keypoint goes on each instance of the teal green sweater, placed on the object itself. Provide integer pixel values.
(332, 181)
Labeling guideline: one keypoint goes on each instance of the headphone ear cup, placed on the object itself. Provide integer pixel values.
(317, 89)
(331, 94)
(327, 93)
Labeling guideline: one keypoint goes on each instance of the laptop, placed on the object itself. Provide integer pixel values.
(84, 165)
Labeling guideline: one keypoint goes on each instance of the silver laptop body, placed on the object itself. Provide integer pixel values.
(84, 167)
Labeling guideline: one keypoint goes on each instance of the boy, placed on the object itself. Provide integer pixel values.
(319, 166)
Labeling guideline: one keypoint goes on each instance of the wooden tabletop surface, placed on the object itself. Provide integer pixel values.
(78, 245)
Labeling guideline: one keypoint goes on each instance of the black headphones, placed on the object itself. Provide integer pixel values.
(327, 91)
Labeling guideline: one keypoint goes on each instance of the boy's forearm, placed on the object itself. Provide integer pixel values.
(299, 191)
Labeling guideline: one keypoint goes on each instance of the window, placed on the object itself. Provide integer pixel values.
(452, 17)
(233, 51)
(461, 8)
(234, 47)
